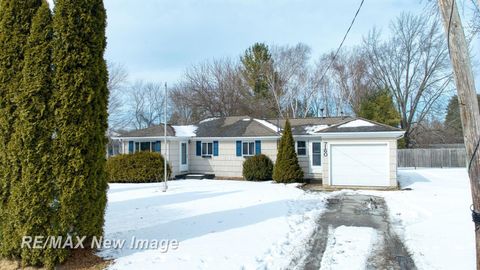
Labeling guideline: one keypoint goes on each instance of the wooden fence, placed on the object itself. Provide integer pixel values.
(432, 158)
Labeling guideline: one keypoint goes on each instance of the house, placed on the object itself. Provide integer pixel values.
(340, 151)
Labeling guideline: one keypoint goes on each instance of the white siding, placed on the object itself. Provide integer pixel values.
(226, 164)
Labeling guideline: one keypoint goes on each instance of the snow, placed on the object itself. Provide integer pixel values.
(357, 123)
(433, 218)
(268, 124)
(314, 129)
(251, 225)
(208, 120)
(348, 248)
(185, 131)
(219, 224)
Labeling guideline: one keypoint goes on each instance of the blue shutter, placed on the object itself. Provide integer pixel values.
(199, 148)
(130, 147)
(215, 148)
(157, 146)
(258, 147)
(239, 148)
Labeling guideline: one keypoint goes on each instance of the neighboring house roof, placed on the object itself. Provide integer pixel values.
(246, 126)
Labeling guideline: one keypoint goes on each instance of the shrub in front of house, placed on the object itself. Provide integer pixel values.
(257, 168)
(141, 167)
(287, 169)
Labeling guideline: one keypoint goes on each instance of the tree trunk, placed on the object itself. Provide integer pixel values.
(467, 99)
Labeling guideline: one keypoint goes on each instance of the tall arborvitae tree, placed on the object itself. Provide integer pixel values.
(31, 203)
(15, 21)
(81, 97)
(287, 169)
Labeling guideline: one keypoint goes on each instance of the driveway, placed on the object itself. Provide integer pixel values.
(358, 210)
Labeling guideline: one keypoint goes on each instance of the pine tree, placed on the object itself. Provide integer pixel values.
(15, 21)
(287, 169)
(30, 210)
(81, 97)
(453, 121)
(379, 106)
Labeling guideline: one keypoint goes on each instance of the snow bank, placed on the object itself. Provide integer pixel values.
(348, 248)
(357, 123)
(314, 129)
(268, 124)
(219, 224)
(185, 131)
(433, 218)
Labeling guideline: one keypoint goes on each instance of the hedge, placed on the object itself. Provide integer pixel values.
(141, 167)
(257, 168)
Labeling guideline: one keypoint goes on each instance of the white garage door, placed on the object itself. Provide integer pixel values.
(359, 165)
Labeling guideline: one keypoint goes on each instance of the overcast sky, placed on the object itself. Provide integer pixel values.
(157, 39)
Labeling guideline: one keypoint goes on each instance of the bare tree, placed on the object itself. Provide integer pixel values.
(290, 78)
(146, 101)
(413, 65)
(210, 89)
(117, 85)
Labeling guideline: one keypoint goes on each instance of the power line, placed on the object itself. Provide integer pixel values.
(341, 44)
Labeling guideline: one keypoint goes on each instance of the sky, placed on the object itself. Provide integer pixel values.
(156, 40)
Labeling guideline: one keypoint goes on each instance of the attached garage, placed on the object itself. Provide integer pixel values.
(358, 164)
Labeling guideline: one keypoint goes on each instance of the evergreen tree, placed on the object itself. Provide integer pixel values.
(257, 63)
(287, 169)
(379, 106)
(15, 21)
(453, 121)
(81, 97)
(30, 210)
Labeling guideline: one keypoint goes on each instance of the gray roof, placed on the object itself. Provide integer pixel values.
(153, 131)
(375, 127)
(300, 125)
(245, 126)
(236, 126)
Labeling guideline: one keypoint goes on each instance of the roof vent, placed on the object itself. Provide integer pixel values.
(321, 113)
(341, 113)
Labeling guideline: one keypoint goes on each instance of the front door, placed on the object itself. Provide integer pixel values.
(316, 157)
(183, 156)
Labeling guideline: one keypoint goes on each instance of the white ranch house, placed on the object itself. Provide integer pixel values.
(339, 151)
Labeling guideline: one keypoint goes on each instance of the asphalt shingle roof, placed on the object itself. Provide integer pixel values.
(245, 126)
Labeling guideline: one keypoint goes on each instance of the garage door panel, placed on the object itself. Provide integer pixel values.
(360, 165)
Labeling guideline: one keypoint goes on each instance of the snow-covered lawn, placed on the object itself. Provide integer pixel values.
(249, 225)
(219, 224)
(433, 218)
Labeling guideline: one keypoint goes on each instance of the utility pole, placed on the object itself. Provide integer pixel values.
(165, 186)
(467, 98)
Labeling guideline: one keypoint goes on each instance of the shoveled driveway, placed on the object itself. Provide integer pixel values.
(359, 211)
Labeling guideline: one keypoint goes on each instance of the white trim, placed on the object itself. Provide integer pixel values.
(371, 135)
(387, 143)
(183, 167)
(254, 148)
(315, 169)
(273, 138)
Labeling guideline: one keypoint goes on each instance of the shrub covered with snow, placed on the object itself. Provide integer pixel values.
(141, 167)
(258, 168)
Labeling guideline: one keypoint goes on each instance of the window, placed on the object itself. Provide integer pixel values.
(137, 147)
(316, 154)
(145, 146)
(248, 148)
(184, 153)
(301, 148)
(207, 149)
